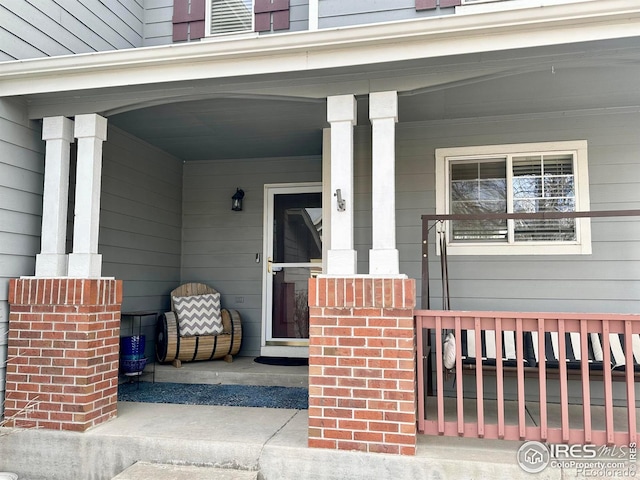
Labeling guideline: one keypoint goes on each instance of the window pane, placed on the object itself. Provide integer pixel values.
(559, 186)
(464, 171)
(493, 169)
(229, 16)
(527, 187)
(495, 189)
(544, 205)
(558, 164)
(527, 166)
(544, 183)
(545, 230)
(476, 188)
(462, 190)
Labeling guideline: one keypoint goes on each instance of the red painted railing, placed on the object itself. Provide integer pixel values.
(613, 423)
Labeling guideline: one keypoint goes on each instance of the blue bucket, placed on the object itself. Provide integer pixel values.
(132, 347)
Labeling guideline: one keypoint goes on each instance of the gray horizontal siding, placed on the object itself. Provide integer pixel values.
(605, 281)
(140, 227)
(140, 219)
(30, 28)
(219, 245)
(299, 15)
(21, 180)
(338, 13)
(158, 28)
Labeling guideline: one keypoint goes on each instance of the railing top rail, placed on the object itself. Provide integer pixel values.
(526, 315)
(529, 321)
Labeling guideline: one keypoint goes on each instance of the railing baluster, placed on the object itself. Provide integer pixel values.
(499, 378)
(420, 372)
(586, 393)
(631, 393)
(587, 326)
(608, 387)
(542, 381)
(564, 387)
(479, 379)
(522, 426)
(459, 380)
(439, 375)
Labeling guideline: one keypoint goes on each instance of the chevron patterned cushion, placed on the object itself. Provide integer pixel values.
(198, 315)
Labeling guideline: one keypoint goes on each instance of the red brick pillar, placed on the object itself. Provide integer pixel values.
(62, 369)
(362, 364)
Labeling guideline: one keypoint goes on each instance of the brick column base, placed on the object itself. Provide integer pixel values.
(62, 369)
(362, 364)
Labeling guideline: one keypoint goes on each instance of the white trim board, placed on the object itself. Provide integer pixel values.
(322, 49)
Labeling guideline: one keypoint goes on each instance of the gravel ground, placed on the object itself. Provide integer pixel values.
(229, 395)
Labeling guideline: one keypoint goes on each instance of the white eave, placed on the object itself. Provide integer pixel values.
(326, 49)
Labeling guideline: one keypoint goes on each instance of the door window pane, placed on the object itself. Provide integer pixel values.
(290, 314)
(297, 228)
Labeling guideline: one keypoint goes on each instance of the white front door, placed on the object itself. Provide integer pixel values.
(292, 253)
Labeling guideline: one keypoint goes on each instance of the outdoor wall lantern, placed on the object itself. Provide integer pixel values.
(236, 200)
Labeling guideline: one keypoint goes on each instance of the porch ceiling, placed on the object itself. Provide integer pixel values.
(230, 128)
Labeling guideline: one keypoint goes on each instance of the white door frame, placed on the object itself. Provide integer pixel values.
(268, 346)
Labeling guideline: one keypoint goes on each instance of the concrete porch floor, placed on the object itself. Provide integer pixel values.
(242, 371)
(158, 441)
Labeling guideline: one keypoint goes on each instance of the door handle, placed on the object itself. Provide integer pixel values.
(271, 269)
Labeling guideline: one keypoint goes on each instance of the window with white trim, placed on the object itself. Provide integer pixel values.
(230, 16)
(517, 178)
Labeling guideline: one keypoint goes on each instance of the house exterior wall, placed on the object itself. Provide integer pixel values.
(158, 29)
(602, 282)
(21, 178)
(140, 225)
(50, 27)
(220, 245)
(338, 13)
(605, 281)
(298, 15)
(140, 231)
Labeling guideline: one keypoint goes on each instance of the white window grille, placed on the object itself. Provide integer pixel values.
(522, 178)
(230, 16)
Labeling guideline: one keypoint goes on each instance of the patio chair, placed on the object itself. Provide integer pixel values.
(616, 346)
(487, 350)
(197, 328)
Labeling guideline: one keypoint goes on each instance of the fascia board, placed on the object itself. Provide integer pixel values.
(324, 49)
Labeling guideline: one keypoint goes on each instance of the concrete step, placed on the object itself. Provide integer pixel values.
(163, 471)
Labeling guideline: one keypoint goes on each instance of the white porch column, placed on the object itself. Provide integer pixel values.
(52, 259)
(383, 112)
(326, 196)
(85, 262)
(341, 114)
